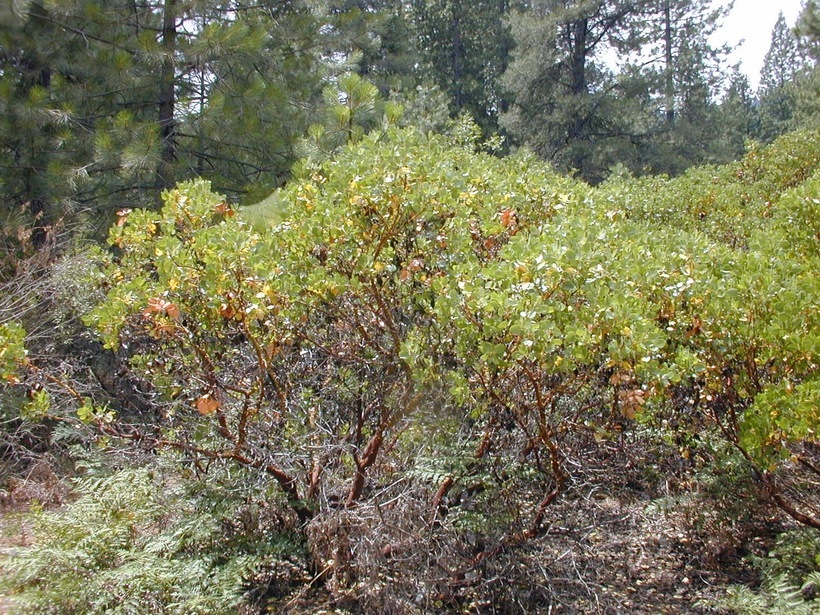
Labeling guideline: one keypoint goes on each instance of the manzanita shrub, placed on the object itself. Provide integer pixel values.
(309, 347)
(12, 350)
(409, 284)
(415, 313)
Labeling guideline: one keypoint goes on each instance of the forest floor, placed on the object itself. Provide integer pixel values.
(15, 533)
(602, 553)
(40, 487)
(607, 550)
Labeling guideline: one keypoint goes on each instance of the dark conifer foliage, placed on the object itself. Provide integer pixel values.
(105, 103)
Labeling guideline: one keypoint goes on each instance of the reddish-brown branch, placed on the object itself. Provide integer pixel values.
(367, 459)
(751, 368)
(242, 426)
(385, 315)
(441, 493)
(316, 470)
(808, 464)
(210, 376)
(770, 488)
(546, 436)
(486, 439)
(789, 508)
(449, 481)
(264, 367)
(222, 426)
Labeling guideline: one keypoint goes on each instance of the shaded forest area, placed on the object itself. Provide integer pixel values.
(406, 307)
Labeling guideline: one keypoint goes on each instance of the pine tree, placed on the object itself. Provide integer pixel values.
(377, 39)
(807, 108)
(104, 103)
(781, 67)
(808, 31)
(77, 119)
(687, 76)
(688, 65)
(255, 85)
(737, 117)
(465, 48)
(566, 101)
(782, 62)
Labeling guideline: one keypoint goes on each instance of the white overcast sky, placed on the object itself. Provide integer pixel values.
(752, 21)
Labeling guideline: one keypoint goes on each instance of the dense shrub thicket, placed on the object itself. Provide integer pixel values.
(414, 340)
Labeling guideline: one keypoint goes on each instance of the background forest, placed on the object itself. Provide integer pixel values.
(407, 307)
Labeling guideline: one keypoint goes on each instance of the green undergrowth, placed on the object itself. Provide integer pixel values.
(143, 540)
(790, 578)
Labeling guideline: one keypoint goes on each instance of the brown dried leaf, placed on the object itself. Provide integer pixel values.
(509, 218)
(158, 305)
(226, 310)
(206, 405)
(172, 310)
(631, 402)
(223, 209)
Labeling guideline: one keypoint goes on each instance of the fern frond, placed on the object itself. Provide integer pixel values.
(134, 544)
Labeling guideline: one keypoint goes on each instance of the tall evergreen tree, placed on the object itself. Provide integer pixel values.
(255, 78)
(782, 62)
(807, 108)
(781, 67)
(737, 118)
(687, 73)
(105, 102)
(377, 37)
(656, 114)
(685, 64)
(465, 48)
(74, 105)
(565, 97)
(808, 31)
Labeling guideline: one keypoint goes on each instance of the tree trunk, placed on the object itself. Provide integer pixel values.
(458, 70)
(670, 68)
(579, 30)
(167, 123)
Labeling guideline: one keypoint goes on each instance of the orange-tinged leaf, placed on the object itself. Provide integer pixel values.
(155, 304)
(206, 405)
(223, 209)
(628, 412)
(166, 329)
(159, 305)
(172, 309)
(631, 401)
(226, 310)
(620, 378)
(272, 350)
(509, 218)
